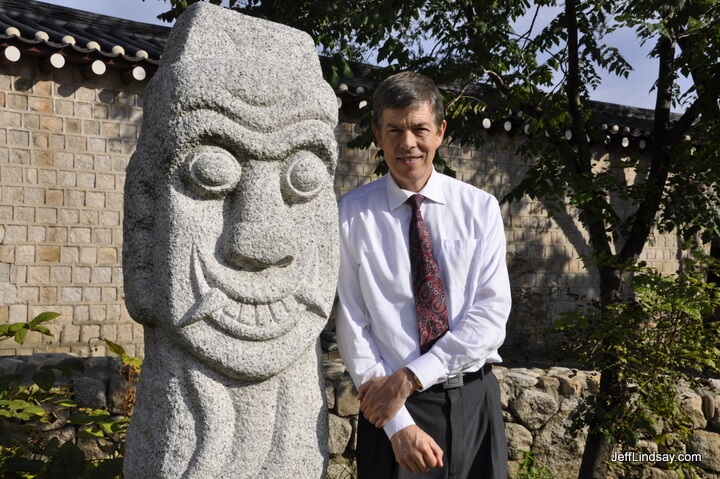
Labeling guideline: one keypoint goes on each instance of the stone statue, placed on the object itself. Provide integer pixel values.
(230, 253)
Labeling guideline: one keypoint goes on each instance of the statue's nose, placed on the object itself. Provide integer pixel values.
(259, 233)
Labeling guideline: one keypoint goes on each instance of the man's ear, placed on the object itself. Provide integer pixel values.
(441, 129)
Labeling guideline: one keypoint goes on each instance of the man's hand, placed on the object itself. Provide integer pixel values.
(381, 398)
(415, 450)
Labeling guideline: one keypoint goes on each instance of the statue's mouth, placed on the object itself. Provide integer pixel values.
(234, 309)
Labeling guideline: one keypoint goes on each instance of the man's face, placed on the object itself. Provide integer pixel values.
(409, 138)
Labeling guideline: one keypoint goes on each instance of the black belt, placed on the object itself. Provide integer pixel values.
(460, 380)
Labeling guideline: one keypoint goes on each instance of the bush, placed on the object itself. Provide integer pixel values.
(27, 406)
(661, 338)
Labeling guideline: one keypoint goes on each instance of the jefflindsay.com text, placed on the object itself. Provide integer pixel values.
(653, 457)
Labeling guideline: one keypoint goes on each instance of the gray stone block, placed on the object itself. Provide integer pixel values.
(533, 408)
(706, 444)
(11, 366)
(519, 439)
(346, 400)
(340, 432)
(90, 392)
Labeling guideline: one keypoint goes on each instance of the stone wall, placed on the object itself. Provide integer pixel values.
(537, 404)
(101, 386)
(64, 145)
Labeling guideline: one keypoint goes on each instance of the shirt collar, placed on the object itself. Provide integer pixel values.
(433, 190)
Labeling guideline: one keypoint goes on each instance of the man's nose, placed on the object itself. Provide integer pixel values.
(407, 140)
(258, 233)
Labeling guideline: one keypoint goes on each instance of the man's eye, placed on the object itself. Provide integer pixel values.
(212, 171)
(305, 176)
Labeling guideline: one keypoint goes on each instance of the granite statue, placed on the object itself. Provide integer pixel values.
(230, 253)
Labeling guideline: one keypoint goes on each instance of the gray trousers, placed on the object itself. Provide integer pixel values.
(466, 422)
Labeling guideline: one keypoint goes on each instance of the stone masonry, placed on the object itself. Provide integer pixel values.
(65, 142)
(64, 146)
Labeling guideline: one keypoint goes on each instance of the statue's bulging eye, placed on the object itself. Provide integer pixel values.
(212, 171)
(305, 176)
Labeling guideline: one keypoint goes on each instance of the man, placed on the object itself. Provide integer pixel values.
(418, 330)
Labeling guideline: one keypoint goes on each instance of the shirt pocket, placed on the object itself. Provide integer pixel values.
(458, 262)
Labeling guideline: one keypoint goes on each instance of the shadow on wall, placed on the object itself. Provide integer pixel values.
(546, 273)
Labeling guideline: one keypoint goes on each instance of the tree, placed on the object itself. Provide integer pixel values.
(473, 46)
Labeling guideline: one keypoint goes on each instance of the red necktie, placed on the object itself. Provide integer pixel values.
(427, 286)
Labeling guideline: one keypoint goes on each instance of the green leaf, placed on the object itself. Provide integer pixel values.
(21, 335)
(15, 327)
(42, 330)
(65, 403)
(107, 427)
(45, 379)
(43, 318)
(90, 434)
(14, 404)
(35, 411)
(135, 363)
(68, 365)
(114, 347)
(89, 416)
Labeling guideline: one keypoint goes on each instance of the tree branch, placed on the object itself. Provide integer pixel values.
(660, 160)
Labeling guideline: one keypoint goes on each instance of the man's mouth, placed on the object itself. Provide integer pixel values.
(408, 160)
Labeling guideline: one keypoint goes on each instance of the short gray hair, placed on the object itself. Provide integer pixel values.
(407, 89)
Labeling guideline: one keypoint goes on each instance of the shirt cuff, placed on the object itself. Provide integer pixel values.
(401, 420)
(428, 369)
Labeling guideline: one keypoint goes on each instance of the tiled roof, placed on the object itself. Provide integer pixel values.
(57, 36)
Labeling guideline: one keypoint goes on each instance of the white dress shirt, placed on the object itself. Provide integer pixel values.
(376, 322)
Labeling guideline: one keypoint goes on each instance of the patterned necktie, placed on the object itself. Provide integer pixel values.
(427, 286)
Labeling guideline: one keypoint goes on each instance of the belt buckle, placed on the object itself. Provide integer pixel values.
(453, 382)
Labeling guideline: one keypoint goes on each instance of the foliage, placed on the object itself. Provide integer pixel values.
(25, 407)
(19, 331)
(130, 370)
(660, 339)
(530, 470)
